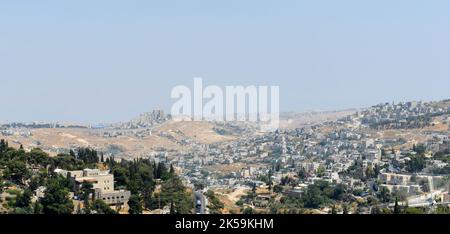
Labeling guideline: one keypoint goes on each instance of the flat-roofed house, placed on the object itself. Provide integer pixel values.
(102, 182)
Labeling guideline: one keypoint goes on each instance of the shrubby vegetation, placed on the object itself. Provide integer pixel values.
(141, 177)
(215, 205)
(27, 171)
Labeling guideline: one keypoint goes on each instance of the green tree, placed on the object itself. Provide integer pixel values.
(396, 207)
(3, 146)
(370, 173)
(100, 207)
(135, 204)
(385, 194)
(172, 169)
(86, 192)
(302, 174)
(278, 166)
(416, 164)
(339, 192)
(24, 199)
(161, 171)
(419, 149)
(270, 182)
(120, 176)
(215, 205)
(277, 189)
(248, 211)
(313, 197)
(56, 199)
(38, 208)
(413, 210)
(38, 157)
(88, 156)
(174, 193)
(16, 171)
(72, 153)
(320, 171)
(440, 209)
(36, 181)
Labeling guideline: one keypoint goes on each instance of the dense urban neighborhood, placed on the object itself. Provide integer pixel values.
(391, 158)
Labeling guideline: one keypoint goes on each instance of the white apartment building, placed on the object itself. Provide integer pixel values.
(103, 184)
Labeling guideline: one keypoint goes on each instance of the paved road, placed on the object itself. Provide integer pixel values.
(199, 203)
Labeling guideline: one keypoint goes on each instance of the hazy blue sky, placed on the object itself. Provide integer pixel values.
(102, 61)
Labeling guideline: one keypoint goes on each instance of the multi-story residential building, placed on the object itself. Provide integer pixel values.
(103, 185)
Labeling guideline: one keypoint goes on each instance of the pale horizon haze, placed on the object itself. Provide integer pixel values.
(108, 61)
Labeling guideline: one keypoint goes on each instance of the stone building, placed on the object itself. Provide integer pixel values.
(103, 185)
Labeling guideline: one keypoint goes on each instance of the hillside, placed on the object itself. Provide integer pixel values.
(170, 136)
